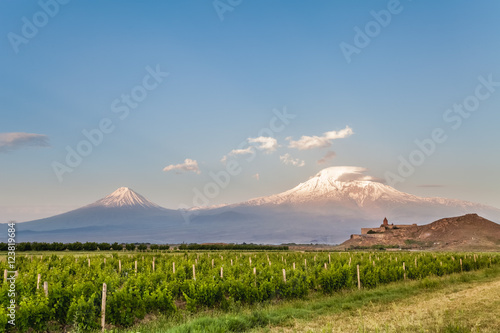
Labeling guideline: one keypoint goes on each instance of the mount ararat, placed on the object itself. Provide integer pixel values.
(327, 208)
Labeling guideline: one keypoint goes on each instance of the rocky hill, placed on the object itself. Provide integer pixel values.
(467, 232)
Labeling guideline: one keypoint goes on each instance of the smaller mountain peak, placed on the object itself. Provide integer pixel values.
(125, 197)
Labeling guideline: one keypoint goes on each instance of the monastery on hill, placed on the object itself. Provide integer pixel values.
(379, 232)
(386, 226)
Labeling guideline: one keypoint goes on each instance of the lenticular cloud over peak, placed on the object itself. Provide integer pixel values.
(345, 174)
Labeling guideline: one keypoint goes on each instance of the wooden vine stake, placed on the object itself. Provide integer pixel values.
(329, 259)
(415, 261)
(194, 273)
(250, 260)
(284, 275)
(173, 267)
(325, 265)
(305, 263)
(46, 288)
(359, 279)
(293, 266)
(103, 307)
(153, 263)
(38, 281)
(461, 270)
(221, 272)
(404, 270)
(136, 267)
(5, 275)
(88, 261)
(212, 263)
(119, 266)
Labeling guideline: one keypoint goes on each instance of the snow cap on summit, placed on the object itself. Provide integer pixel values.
(125, 197)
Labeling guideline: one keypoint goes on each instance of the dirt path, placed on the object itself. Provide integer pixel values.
(457, 308)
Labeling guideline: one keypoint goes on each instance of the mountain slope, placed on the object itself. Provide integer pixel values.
(327, 208)
(122, 211)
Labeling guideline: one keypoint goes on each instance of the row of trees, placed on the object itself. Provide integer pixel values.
(244, 246)
(77, 246)
(93, 246)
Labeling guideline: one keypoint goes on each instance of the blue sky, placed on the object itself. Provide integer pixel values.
(225, 78)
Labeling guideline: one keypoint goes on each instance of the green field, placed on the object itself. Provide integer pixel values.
(222, 291)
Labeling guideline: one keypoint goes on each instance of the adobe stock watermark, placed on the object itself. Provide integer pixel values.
(221, 179)
(454, 117)
(10, 275)
(223, 6)
(373, 28)
(31, 26)
(95, 136)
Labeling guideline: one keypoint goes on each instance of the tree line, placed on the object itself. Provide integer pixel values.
(244, 246)
(87, 246)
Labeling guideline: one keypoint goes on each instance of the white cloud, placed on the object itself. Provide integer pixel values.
(266, 143)
(330, 155)
(236, 152)
(311, 142)
(12, 141)
(188, 165)
(288, 160)
(256, 176)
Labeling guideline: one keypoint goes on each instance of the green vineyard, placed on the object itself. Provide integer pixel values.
(67, 289)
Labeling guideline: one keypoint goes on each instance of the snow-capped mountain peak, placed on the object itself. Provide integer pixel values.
(124, 197)
(348, 186)
(340, 184)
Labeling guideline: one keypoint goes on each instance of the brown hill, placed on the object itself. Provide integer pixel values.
(467, 232)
